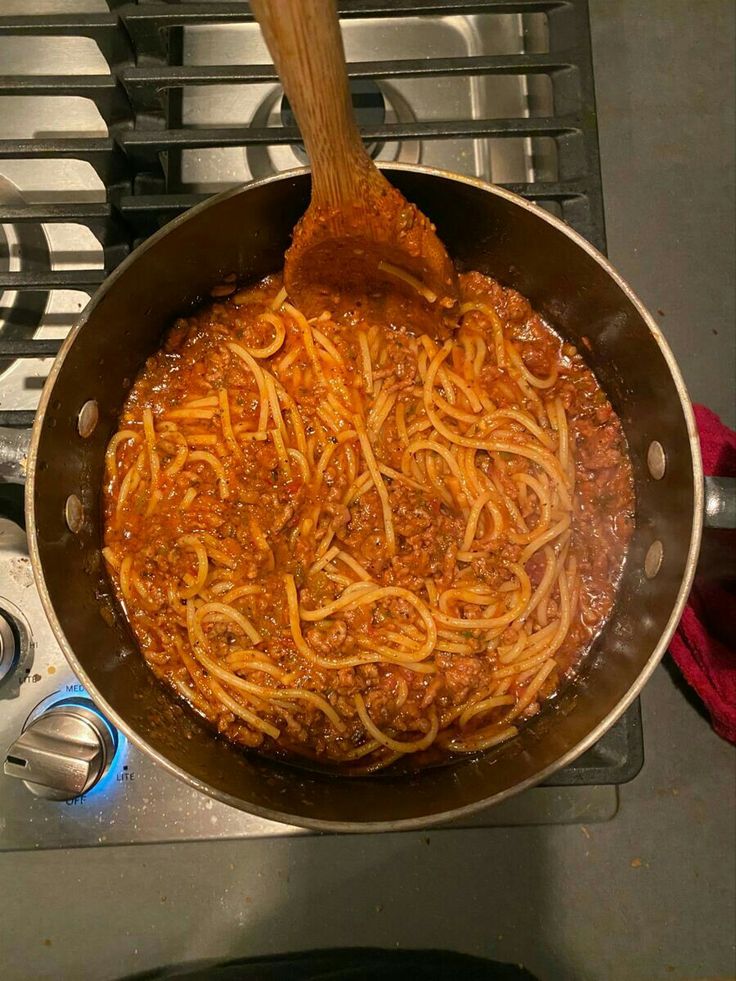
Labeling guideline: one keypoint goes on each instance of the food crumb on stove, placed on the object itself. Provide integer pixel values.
(636, 863)
(585, 831)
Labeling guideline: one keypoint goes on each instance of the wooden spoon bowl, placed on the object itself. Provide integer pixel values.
(359, 237)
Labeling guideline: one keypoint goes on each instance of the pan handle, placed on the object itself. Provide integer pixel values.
(14, 446)
(720, 502)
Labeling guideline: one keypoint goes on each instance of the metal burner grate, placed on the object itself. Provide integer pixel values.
(146, 104)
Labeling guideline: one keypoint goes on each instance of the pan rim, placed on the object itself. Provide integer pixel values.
(422, 821)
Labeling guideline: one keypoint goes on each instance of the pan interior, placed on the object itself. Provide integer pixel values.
(246, 232)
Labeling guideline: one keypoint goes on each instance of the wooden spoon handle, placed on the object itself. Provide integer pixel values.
(304, 39)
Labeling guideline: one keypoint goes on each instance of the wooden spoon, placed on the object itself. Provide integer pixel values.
(359, 235)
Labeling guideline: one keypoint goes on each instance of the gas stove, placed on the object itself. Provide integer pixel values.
(115, 118)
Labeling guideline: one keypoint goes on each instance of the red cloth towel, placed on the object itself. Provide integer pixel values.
(704, 646)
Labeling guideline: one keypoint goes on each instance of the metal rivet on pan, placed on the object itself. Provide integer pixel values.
(653, 559)
(74, 513)
(87, 419)
(656, 460)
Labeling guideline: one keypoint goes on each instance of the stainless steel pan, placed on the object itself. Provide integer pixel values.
(246, 231)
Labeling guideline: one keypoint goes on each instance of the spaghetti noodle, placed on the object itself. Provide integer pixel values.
(343, 541)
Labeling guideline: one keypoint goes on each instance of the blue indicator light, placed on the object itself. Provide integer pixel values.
(119, 742)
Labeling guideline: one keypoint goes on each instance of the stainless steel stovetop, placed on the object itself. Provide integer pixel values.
(135, 801)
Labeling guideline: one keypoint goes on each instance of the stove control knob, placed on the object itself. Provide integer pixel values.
(63, 752)
(8, 646)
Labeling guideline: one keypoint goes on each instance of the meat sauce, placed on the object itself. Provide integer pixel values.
(265, 511)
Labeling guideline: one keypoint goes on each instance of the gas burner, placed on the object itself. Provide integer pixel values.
(375, 103)
(23, 248)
